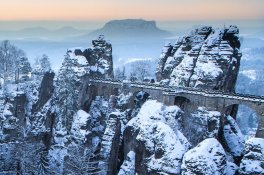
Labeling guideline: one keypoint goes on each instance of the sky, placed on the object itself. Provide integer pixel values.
(18, 10)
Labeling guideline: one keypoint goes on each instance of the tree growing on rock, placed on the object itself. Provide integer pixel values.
(67, 99)
(9, 60)
(45, 63)
(23, 69)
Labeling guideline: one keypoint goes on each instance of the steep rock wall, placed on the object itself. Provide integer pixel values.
(206, 58)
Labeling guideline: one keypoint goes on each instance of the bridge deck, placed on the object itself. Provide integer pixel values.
(175, 90)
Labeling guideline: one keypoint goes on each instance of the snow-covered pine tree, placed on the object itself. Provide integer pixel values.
(67, 93)
(24, 68)
(45, 63)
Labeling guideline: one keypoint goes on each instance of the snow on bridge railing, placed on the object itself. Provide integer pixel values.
(173, 90)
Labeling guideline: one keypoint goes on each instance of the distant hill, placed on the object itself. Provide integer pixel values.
(41, 33)
(129, 29)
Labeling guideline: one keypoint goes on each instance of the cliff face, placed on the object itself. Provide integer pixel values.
(26, 124)
(206, 58)
(45, 92)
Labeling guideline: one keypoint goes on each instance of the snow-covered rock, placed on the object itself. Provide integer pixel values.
(234, 139)
(46, 90)
(231, 168)
(253, 160)
(208, 157)
(12, 116)
(110, 144)
(154, 138)
(205, 58)
(123, 100)
(97, 60)
(140, 98)
(99, 111)
(128, 166)
(79, 124)
(200, 124)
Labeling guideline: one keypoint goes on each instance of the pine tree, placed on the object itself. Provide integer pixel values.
(24, 65)
(24, 68)
(67, 93)
(45, 63)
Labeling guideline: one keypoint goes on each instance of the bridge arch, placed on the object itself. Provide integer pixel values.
(140, 97)
(103, 91)
(231, 110)
(91, 92)
(115, 91)
(253, 108)
(246, 117)
(182, 102)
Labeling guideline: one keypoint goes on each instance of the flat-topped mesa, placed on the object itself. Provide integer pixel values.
(205, 58)
(132, 29)
(130, 23)
(96, 61)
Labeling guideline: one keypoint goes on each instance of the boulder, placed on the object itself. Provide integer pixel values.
(208, 157)
(153, 136)
(253, 161)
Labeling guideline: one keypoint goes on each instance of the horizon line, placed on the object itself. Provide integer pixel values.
(146, 19)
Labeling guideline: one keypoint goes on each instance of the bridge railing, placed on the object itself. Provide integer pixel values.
(178, 89)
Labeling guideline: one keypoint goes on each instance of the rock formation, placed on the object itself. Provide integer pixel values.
(206, 58)
(154, 138)
(253, 160)
(96, 61)
(208, 157)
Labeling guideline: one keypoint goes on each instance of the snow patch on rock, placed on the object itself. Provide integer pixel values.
(208, 158)
(79, 124)
(233, 137)
(160, 136)
(253, 160)
(128, 166)
(231, 168)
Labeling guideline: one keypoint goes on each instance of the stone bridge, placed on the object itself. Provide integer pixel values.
(186, 98)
